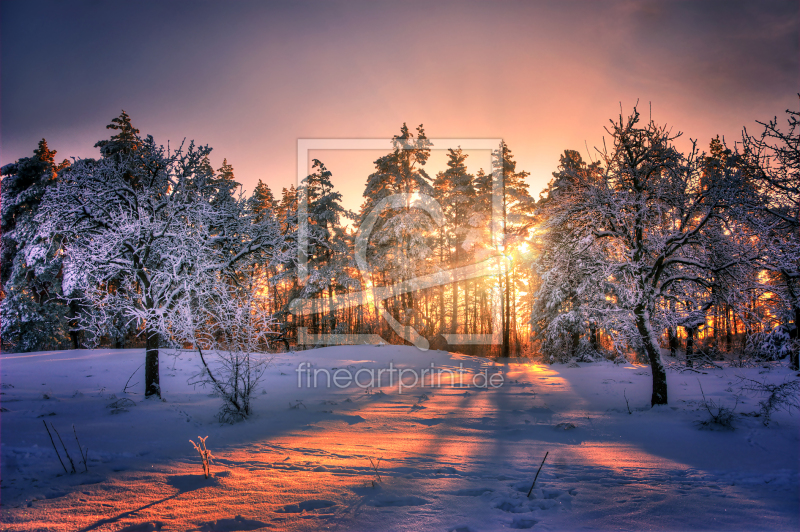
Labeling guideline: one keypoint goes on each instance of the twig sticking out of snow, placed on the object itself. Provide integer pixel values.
(537, 473)
(71, 463)
(125, 389)
(80, 449)
(54, 446)
(626, 401)
(205, 455)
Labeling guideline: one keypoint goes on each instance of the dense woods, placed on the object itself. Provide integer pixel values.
(642, 251)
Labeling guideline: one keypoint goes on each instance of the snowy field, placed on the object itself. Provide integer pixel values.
(451, 458)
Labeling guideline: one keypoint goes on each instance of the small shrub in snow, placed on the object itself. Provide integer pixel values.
(228, 326)
(719, 415)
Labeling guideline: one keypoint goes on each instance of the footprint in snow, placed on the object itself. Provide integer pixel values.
(397, 500)
(306, 506)
(237, 524)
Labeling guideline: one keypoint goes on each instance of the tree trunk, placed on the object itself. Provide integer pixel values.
(727, 328)
(506, 318)
(72, 323)
(152, 384)
(672, 333)
(454, 320)
(332, 314)
(653, 352)
(689, 346)
(794, 355)
(672, 340)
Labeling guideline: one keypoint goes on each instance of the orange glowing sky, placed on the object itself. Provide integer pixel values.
(250, 78)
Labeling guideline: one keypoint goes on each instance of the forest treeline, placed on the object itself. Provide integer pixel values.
(640, 249)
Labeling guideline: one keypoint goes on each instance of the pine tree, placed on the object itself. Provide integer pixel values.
(262, 202)
(125, 142)
(516, 221)
(32, 314)
(328, 251)
(401, 242)
(225, 183)
(286, 274)
(454, 189)
(563, 309)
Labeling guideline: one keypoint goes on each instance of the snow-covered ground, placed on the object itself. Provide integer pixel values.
(451, 458)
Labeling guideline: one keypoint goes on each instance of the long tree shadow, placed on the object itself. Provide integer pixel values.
(183, 483)
(496, 421)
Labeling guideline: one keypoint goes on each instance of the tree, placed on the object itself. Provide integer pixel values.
(517, 220)
(228, 322)
(454, 189)
(645, 226)
(262, 202)
(286, 273)
(136, 224)
(774, 161)
(32, 315)
(125, 142)
(565, 303)
(400, 246)
(328, 246)
(225, 183)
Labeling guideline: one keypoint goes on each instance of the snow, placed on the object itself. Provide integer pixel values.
(451, 458)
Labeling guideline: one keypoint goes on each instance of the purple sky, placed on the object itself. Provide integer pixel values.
(250, 78)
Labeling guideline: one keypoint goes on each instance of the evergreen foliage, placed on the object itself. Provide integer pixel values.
(32, 316)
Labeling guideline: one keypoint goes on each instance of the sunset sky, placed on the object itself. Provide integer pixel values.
(251, 78)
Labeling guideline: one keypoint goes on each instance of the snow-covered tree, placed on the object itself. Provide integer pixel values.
(401, 242)
(644, 229)
(328, 245)
(565, 304)
(32, 317)
(137, 225)
(774, 161)
(228, 323)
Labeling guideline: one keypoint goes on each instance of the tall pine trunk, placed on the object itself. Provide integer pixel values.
(454, 320)
(506, 311)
